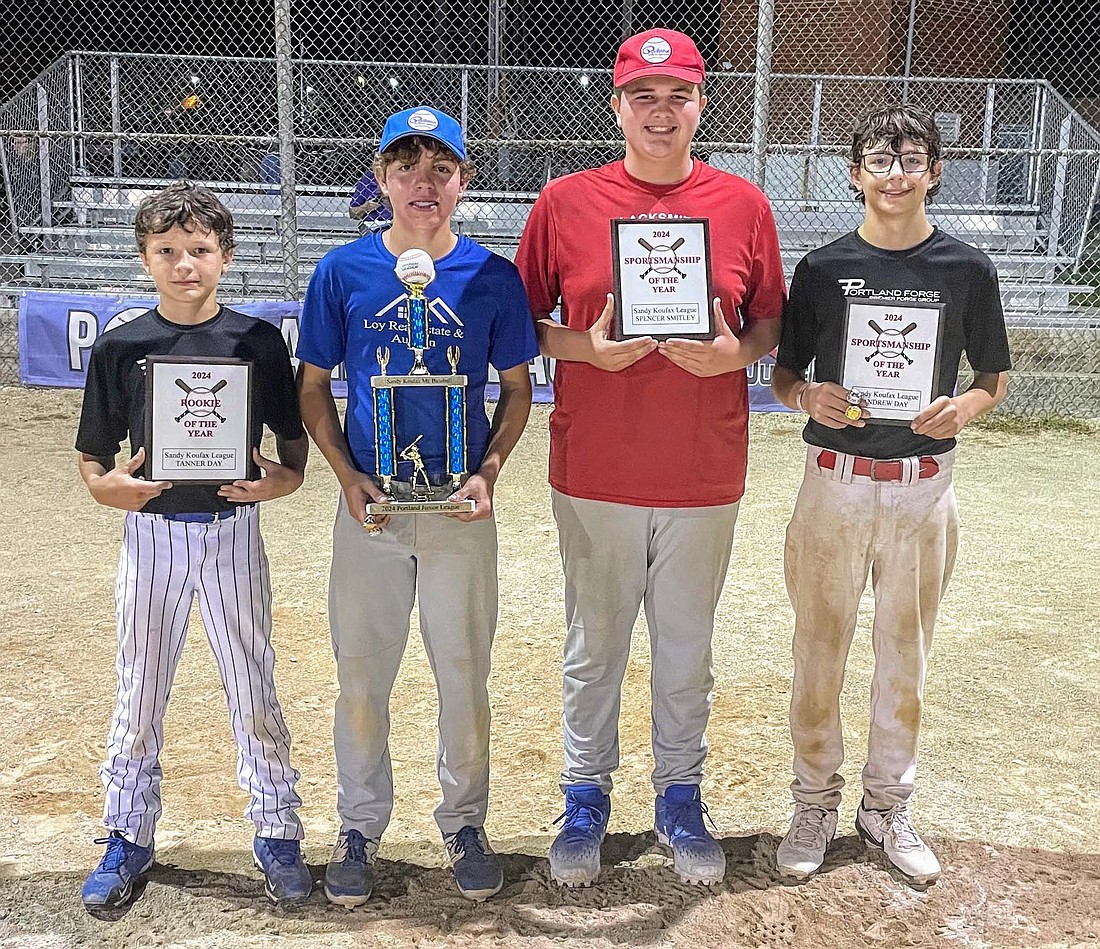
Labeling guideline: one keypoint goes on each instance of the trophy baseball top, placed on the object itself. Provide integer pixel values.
(415, 268)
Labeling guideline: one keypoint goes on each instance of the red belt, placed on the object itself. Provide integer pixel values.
(877, 469)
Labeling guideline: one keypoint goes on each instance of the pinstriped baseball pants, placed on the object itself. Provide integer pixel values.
(905, 536)
(163, 566)
(617, 558)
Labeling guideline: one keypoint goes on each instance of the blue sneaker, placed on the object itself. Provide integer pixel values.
(678, 820)
(286, 876)
(477, 868)
(575, 852)
(112, 881)
(349, 876)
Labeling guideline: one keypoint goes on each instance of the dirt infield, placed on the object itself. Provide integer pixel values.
(1008, 786)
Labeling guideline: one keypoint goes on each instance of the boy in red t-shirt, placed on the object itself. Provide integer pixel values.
(648, 443)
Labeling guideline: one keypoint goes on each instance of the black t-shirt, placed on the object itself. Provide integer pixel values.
(114, 394)
(940, 270)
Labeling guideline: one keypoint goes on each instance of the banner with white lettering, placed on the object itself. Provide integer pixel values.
(57, 330)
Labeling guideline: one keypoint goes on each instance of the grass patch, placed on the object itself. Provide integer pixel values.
(1036, 425)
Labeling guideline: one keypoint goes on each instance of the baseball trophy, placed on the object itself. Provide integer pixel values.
(414, 493)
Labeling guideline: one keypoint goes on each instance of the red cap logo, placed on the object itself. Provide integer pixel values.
(658, 53)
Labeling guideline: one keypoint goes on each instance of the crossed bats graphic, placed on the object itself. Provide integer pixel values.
(186, 388)
(891, 333)
(649, 247)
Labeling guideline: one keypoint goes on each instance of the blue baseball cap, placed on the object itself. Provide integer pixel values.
(424, 121)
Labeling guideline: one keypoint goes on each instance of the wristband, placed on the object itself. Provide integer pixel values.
(798, 398)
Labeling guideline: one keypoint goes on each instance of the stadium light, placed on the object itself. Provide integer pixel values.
(393, 82)
(362, 80)
(583, 80)
(194, 80)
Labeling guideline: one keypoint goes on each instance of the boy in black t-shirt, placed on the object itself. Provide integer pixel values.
(191, 539)
(884, 314)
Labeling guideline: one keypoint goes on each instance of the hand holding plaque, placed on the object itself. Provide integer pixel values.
(411, 491)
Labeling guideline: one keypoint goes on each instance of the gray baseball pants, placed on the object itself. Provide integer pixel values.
(617, 557)
(450, 568)
(905, 535)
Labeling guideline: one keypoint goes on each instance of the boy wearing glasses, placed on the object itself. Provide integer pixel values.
(877, 494)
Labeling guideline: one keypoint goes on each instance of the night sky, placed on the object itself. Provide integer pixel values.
(1056, 40)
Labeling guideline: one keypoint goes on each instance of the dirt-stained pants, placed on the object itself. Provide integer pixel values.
(450, 567)
(906, 535)
(618, 557)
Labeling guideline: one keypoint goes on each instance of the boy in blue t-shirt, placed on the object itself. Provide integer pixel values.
(355, 307)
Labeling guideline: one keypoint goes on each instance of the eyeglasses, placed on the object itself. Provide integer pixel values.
(882, 163)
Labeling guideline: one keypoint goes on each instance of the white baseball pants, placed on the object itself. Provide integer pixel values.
(163, 566)
(905, 535)
(617, 557)
(450, 568)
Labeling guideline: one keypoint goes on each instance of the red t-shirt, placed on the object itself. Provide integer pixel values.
(652, 435)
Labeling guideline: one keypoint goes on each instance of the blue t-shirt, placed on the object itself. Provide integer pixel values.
(355, 304)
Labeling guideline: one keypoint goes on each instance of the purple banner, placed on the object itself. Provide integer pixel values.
(57, 330)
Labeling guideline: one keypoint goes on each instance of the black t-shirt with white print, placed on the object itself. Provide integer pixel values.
(114, 393)
(941, 270)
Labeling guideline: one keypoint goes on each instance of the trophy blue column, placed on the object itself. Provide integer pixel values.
(456, 423)
(418, 328)
(384, 444)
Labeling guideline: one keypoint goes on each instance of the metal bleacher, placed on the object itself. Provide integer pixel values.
(94, 248)
(90, 243)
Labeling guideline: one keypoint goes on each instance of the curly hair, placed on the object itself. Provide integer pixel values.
(892, 127)
(407, 149)
(185, 205)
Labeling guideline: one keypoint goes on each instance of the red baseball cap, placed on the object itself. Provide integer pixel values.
(658, 53)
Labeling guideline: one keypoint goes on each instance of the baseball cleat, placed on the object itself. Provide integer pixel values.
(286, 877)
(476, 868)
(112, 881)
(575, 852)
(891, 831)
(678, 821)
(802, 850)
(349, 876)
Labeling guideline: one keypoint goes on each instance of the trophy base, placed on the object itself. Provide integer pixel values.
(467, 506)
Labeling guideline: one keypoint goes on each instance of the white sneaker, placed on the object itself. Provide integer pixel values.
(802, 851)
(891, 831)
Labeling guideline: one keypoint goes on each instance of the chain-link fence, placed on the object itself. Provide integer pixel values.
(278, 104)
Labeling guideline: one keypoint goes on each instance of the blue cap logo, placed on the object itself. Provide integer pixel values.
(424, 120)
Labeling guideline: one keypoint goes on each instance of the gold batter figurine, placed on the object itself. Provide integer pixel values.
(412, 453)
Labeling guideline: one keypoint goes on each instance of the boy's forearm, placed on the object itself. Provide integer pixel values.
(561, 342)
(509, 421)
(322, 421)
(293, 452)
(985, 393)
(758, 339)
(93, 466)
(787, 386)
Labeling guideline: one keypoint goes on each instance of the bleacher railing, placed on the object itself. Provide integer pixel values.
(95, 131)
